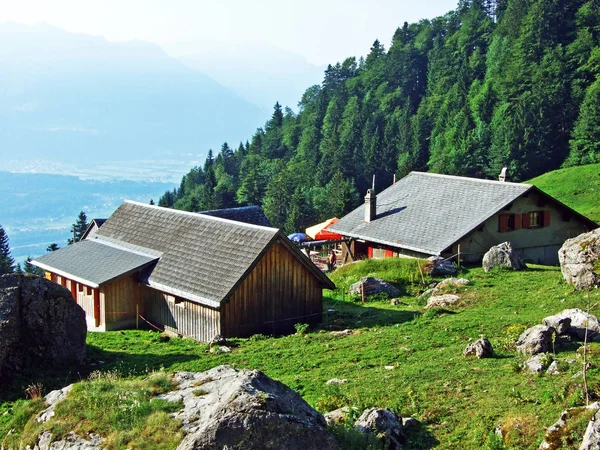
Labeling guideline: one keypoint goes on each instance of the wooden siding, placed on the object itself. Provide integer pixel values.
(118, 300)
(278, 293)
(84, 297)
(179, 315)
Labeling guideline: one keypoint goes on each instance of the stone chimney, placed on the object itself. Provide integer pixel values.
(503, 176)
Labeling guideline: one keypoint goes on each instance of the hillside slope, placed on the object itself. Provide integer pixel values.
(577, 187)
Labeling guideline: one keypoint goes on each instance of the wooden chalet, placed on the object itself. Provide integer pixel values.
(426, 214)
(197, 275)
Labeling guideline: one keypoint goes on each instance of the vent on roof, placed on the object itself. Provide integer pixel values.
(370, 205)
(503, 175)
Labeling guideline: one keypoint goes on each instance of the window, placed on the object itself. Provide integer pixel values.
(509, 222)
(536, 219)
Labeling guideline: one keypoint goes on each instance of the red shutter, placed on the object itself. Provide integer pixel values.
(546, 219)
(525, 220)
(517, 221)
(502, 222)
(389, 253)
(369, 251)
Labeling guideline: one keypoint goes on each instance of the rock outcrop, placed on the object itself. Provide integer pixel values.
(502, 255)
(372, 286)
(591, 438)
(534, 340)
(579, 258)
(40, 324)
(235, 409)
(573, 322)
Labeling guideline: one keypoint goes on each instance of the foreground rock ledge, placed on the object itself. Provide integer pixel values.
(245, 409)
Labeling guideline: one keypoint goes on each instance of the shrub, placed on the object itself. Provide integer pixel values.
(301, 328)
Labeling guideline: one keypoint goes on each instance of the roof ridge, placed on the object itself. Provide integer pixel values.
(200, 215)
(126, 248)
(458, 177)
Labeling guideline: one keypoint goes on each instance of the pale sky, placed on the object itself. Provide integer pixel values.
(323, 31)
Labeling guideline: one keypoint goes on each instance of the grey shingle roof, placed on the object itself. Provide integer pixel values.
(203, 257)
(93, 262)
(247, 214)
(428, 213)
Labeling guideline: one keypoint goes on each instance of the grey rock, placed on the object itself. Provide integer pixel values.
(480, 348)
(577, 257)
(453, 281)
(441, 301)
(382, 422)
(537, 363)
(534, 340)
(372, 286)
(577, 320)
(591, 438)
(39, 324)
(245, 409)
(52, 399)
(409, 422)
(71, 442)
(553, 368)
(441, 267)
(337, 416)
(502, 255)
(559, 322)
(560, 427)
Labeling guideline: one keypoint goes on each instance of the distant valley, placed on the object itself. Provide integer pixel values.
(38, 209)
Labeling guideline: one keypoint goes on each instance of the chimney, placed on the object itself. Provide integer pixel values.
(503, 176)
(371, 203)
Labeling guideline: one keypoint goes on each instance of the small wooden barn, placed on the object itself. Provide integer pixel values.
(194, 274)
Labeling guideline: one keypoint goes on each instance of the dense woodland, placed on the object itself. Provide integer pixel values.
(494, 83)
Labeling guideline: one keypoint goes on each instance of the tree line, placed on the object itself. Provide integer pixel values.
(493, 83)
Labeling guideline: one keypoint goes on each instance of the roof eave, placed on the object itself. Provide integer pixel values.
(62, 273)
(389, 243)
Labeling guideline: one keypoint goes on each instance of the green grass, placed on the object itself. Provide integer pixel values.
(458, 400)
(577, 187)
(121, 410)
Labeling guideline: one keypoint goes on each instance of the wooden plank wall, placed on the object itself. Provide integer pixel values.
(278, 293)
(119, 299)
(83, 295)
(179, 315)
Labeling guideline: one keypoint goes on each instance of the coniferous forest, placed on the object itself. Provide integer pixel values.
(494, 83)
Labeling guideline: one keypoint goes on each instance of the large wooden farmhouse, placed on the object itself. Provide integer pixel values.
(194, 274)
(427, 214)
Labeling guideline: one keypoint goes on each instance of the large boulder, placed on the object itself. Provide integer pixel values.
(384, 423)
(591, 438)
(372, 286)
(573, 322)
(534, 340)
(40, 325)
(579, 258)
(502, 255)
(245, 409)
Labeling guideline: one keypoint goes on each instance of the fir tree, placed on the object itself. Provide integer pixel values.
(7, 263)
(78, 228)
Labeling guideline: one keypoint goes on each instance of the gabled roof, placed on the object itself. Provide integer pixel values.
(94, 262)
(247, 214)
(199, 257)
(427, 213)
(93, 225)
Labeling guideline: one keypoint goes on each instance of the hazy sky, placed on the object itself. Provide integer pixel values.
(323, 31)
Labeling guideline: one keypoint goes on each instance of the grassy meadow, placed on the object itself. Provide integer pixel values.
(401, 357)
(577, 187)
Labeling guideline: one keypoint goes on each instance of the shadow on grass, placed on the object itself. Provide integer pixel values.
(58, 376)
(350, 315)
(419, 437)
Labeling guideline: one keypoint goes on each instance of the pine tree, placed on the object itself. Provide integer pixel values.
(52, 247)
(31, 269)
(78, 228)
(7, 262)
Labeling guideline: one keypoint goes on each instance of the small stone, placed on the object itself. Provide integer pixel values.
(442, 301)
(336, 381)
(482, 348)
(389, 367)
(538, 363)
